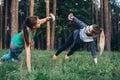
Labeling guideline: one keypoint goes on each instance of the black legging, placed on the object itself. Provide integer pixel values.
(68, 43)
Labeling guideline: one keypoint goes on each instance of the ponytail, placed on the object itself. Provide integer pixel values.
(25, 33)
(30, 22)
(101, 41)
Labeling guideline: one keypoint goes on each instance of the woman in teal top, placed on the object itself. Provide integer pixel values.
(22, 39)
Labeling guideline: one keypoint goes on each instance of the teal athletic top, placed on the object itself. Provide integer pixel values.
(18, 41)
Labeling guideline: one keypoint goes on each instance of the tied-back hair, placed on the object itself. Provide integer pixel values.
(96, 29)
(28, 24)
(100, 31)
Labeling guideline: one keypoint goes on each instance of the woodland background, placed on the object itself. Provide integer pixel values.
(50, 36)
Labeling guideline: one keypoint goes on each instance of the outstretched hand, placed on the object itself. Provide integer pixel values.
(52, 16)
(70, 16)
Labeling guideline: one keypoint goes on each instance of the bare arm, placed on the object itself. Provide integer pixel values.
(51, 17)
(28, 57)
(42, 21)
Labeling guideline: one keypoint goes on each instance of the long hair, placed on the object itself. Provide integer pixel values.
(100, 31)
(101, 41)
(96, 29)
(28, 24)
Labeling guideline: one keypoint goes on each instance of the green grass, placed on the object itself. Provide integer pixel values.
(80, 66)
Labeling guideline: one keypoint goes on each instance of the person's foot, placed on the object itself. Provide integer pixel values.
(1, 60)
(55, 57)
(66, 57)
(95, 60)
(16, 60)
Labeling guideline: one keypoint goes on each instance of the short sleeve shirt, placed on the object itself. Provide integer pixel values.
(18, 41)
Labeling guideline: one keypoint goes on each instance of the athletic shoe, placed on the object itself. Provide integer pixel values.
(55, 57)
(66, 57)
(1, 62)
(16, 60)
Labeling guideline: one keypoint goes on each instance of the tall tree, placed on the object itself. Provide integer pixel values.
(48, 25)
(101, 13)
(31, 9)
(118, 26)
(107, 25)
(95, 11)
(27, 7)
(6, 21)
(53, 26)
(14, 17)
(0, 24)
(96, 15)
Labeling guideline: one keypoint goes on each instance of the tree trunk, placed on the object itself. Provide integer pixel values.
(107, 25)
(96, 15)
(14, 18)
(101, 14)
(6, 22)
(39, 43)
(31, 9)
(118, 32)
(0, 24)
(48, 25)
(96, 11)
(27, 7)
(53, 26)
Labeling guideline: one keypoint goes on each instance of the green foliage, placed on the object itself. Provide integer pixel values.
(115, 40)
(81, 9)
(79, 67)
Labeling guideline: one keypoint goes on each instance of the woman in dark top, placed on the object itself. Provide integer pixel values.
(85, 34)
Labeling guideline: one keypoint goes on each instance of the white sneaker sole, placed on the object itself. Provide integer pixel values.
(1, 62)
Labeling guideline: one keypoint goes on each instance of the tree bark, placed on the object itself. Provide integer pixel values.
(0, 24)
(96, 11)
(107, 26)
(6, 22)
(118, 32)
(48, 25)
(27, 7)
(53, 26)
(31, 9)
(14, 18)
(101, 13)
